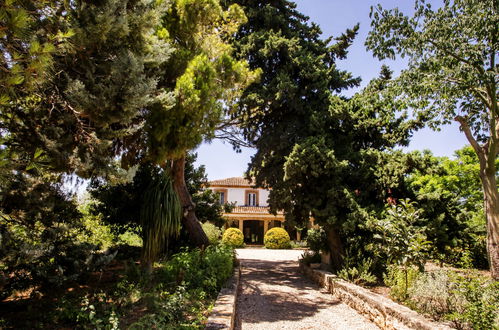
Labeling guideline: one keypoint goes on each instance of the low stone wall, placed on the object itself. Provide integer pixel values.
(382, 311)
(223, 313)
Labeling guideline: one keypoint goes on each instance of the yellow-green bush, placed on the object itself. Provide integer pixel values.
(277, 238)
(212, 231)
(233, 237)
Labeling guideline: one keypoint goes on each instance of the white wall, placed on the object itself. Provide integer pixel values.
(264, 196)
(236, 195)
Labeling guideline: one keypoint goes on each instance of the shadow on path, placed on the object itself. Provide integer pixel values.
(273, 291)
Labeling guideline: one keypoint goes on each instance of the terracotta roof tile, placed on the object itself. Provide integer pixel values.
(230, 182)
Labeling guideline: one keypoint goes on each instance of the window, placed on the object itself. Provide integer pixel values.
(222, 196)
(252, 199)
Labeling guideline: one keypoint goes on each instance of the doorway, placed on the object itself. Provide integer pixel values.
(253, 232)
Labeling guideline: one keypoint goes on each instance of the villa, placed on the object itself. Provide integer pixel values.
(251, 211)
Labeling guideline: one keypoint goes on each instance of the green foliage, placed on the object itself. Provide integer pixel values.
(467, 299)
(452, 75)
(86, 102)
(213, 232)
(31, 34)
(432, 293)
(202, 74)
(400, 280)
(402, 244)
(96, 232)
(451, 198)
(160, 216)
(401, 241)
(317, 240)
(177, 295)
(358, 273)
(39, 230)
(277, 238)
(481, 302)
(233, 237)
(207, 269)
(451, 51)
(310, 258)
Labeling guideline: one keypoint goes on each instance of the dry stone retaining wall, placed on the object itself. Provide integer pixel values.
(384, 312)
(223, 313)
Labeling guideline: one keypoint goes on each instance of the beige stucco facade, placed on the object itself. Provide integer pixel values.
(251, 212)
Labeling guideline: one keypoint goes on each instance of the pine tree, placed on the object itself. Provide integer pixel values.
(293, 97)
(204, 79)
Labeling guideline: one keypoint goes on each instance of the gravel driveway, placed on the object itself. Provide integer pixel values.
(274, 295)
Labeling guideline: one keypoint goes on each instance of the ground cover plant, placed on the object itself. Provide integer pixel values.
(177, 294)
(469, 300)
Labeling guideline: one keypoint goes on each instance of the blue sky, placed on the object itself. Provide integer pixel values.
(334, 16)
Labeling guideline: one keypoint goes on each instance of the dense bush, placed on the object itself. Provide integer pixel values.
(357, 273)
(468, 300)
(317, 240)
(212, 231)
(310, 258)
(400, 279)
(175, 296)
(207, 269)
(233, 237)
(277, 238)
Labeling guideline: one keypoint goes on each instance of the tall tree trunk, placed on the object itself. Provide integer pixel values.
(487, 155)
(189, 220)
(491, 204)
(336, 247)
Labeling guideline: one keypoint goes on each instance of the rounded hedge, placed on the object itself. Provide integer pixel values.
(233, 237)
(277, 238)
(212, 231)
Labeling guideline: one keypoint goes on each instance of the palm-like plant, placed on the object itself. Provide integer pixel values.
(160, 215)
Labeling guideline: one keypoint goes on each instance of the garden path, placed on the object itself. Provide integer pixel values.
(274, 295)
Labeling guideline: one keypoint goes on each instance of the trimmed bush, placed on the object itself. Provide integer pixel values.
(277, 238)
(233, 237)
(212, 231)
(317, 240)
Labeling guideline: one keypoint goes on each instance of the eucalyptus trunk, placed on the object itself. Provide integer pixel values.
(487, 155)
(491, 204)
(189, 219)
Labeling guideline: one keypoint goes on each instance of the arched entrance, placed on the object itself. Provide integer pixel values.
(253, 232)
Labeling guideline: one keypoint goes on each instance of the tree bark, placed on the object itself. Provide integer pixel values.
(491, 204)
(487, 155)
(189, 219)
(336, 247)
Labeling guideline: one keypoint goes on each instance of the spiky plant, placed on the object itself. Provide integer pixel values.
(160, 215)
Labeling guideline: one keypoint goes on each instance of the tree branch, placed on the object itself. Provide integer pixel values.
(467, 131)
(459, 58)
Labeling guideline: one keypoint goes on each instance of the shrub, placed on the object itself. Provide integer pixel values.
(469, 301)
(317, 240)
(277, 238)
(400, 280)
(481, 302)
(212, 231)
(310, 258)
(205, 269)
(431, 294)
(358, 273)
(233, 237)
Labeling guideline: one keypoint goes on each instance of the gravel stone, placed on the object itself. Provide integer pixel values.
(274, 295)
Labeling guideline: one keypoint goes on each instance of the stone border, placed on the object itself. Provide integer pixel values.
(382, 311)
(223, 314)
